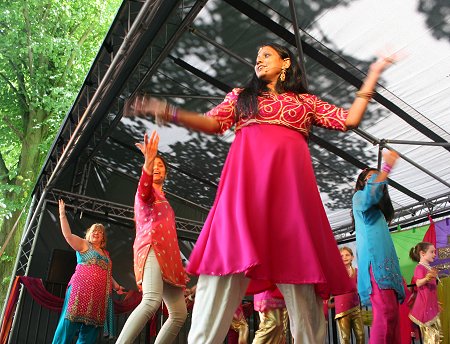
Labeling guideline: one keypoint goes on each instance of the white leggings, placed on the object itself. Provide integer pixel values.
(217, 298)
(154, 289)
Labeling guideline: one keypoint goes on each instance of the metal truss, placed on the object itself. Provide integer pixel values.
(177, 18)
(383, 143)
(186, 229)
(91, 205)
(29, 236)
(431, 206)
(406, 217)
(141, 36)
(26, 249)
(80, 176)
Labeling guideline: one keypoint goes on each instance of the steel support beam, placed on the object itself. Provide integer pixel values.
(408, 216)
(382, 144)
(186, 229)
(298, 42)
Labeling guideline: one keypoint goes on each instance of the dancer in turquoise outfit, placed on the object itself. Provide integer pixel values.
(379, 277)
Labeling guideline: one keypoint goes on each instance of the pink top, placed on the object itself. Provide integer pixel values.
(155, 227)
(295, 111)
(425, 310)
(347, 303)
(268, 220)
(267, 300)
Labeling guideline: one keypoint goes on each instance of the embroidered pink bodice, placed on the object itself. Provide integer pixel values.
(295, 111)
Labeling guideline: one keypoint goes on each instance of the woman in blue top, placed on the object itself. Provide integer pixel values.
(379, 277)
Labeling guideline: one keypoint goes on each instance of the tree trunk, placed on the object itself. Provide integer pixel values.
(30, 164)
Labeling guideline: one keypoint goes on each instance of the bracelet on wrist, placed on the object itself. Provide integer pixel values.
(174, 113)
(365, 95)
(166, 114)
(386, 168)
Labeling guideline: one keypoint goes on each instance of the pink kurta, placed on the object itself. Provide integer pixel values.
(425, 310)
(90, 288)
(268, 300)
(155, 227)
(347, 303)
(268, 220)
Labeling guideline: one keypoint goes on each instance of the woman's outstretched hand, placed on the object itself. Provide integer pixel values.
(149, 149)
(144, 105)
(384, 62)
(390, 157)
(62, 208)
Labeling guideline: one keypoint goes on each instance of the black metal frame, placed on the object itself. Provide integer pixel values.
(140, 38)
(120, 44)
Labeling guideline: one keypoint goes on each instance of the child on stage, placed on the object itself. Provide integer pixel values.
(347, 306)
(425, 311)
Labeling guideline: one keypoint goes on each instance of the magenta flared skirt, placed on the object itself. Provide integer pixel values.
(268, 220)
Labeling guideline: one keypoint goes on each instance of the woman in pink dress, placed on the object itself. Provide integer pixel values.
(425, 310)
(267, 225)
(158, 268)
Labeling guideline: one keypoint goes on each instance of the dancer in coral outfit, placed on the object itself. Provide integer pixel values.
(157, 262)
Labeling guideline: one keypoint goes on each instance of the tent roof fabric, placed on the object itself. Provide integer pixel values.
(193, 52)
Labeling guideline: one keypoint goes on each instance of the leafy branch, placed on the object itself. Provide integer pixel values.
(13, 128)
(4, 172)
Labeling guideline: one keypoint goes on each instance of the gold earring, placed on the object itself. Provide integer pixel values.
(283, 74)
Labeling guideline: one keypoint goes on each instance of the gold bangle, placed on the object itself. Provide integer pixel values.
(365, 95)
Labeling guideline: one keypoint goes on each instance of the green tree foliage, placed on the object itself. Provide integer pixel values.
(46, 50)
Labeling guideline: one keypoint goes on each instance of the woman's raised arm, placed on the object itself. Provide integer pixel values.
(365, 93)
(143, 105)
(77, 243)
